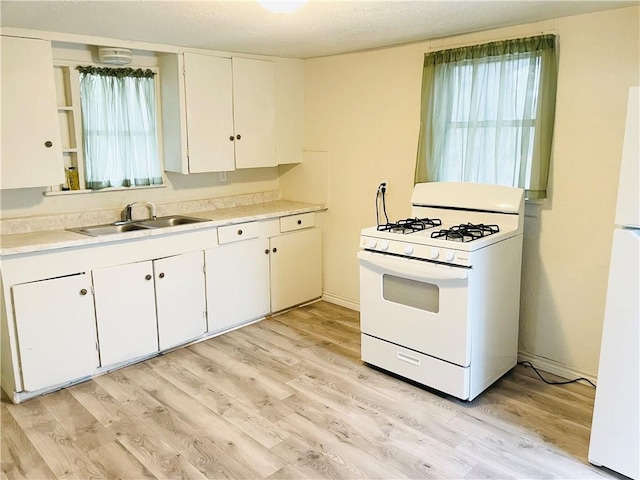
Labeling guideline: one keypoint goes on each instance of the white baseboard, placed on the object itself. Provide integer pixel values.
(556, 368)
(342, 301)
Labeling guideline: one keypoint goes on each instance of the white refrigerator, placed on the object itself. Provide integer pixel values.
(615, 430)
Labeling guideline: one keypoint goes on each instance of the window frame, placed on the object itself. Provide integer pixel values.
(75, 126)
(441, 74)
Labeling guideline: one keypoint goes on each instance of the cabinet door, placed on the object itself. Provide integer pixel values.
(180, 298)
(237, 283)
(31, 150)
(296, 268)
(174, 114)
(209, 108)
(125, 312)
(56, 330)
(254, 113)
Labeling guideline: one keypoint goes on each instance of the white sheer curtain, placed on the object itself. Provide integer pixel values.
(119, 127)
(488, 116)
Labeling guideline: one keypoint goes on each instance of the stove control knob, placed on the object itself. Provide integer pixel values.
(434, 253)
(372, 243)
(408, 249)
(384, 245)
(448, 255)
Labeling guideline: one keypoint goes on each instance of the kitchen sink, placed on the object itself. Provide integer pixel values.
(171, 221)
(109, 229)
(120, 227)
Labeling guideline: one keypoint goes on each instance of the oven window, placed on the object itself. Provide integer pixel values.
(411, 293)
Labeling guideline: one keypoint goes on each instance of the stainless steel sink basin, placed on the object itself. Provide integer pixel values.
(109, 229)
(119, 227)
(171, 221)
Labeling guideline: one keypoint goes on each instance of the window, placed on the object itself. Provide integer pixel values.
(119, 130)
(487, 114)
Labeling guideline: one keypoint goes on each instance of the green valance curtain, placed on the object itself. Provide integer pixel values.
(117, 72)
(487, 114)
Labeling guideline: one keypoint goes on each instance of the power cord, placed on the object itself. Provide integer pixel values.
(529, 364)
(382, 188)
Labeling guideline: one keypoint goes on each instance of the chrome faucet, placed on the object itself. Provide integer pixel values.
(126, 214)
(152, 210)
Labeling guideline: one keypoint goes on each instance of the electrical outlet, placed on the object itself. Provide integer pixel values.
(223, 177)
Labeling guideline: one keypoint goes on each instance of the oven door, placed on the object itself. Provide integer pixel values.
(416, 304)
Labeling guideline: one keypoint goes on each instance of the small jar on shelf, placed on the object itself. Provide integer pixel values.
(73, 181)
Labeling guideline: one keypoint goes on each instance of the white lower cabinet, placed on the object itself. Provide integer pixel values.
(124, 297)
(59, 326)
(237, 282)
(296, 268)
(149, 306)
(180, 298)
(56, 329)
(248, 276)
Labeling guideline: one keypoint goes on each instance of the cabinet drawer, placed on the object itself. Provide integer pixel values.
(238, 232)
(297, 222)
(429, 371)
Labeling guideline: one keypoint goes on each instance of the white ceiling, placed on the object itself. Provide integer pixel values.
(320, 28)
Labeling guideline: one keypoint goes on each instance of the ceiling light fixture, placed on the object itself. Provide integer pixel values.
(282, 6)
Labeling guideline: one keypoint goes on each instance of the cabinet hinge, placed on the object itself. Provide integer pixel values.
(205, 314)
(204, 269)
(93, 292)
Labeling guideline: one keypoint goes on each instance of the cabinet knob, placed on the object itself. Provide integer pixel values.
(274, 250)
(161, 275)
(48, 144)
(238, 137)
(83, 291)
(147, 277)
(231, 138)
(239, 232)
(299, 222)
(266, 252)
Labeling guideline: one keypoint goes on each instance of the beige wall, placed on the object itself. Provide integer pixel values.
(363, 109)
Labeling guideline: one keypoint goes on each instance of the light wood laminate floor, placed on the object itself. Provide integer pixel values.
(288, 397)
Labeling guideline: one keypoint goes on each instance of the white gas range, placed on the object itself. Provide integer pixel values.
(440, 292)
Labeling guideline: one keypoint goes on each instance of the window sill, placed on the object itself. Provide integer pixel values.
(103, 190)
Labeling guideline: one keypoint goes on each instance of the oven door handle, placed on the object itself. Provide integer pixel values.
(416, 269)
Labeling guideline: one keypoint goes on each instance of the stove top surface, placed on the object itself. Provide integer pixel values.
(457, 236)
(464, 232)
(410, 225)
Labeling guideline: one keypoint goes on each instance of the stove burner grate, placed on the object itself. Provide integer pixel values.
(466, 232)
(410, 225)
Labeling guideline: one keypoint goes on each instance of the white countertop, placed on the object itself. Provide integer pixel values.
(31, 242)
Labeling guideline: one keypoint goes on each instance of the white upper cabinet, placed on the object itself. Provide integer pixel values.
(222, 114)
(31, 149)
(209, 109)
(254, 113)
